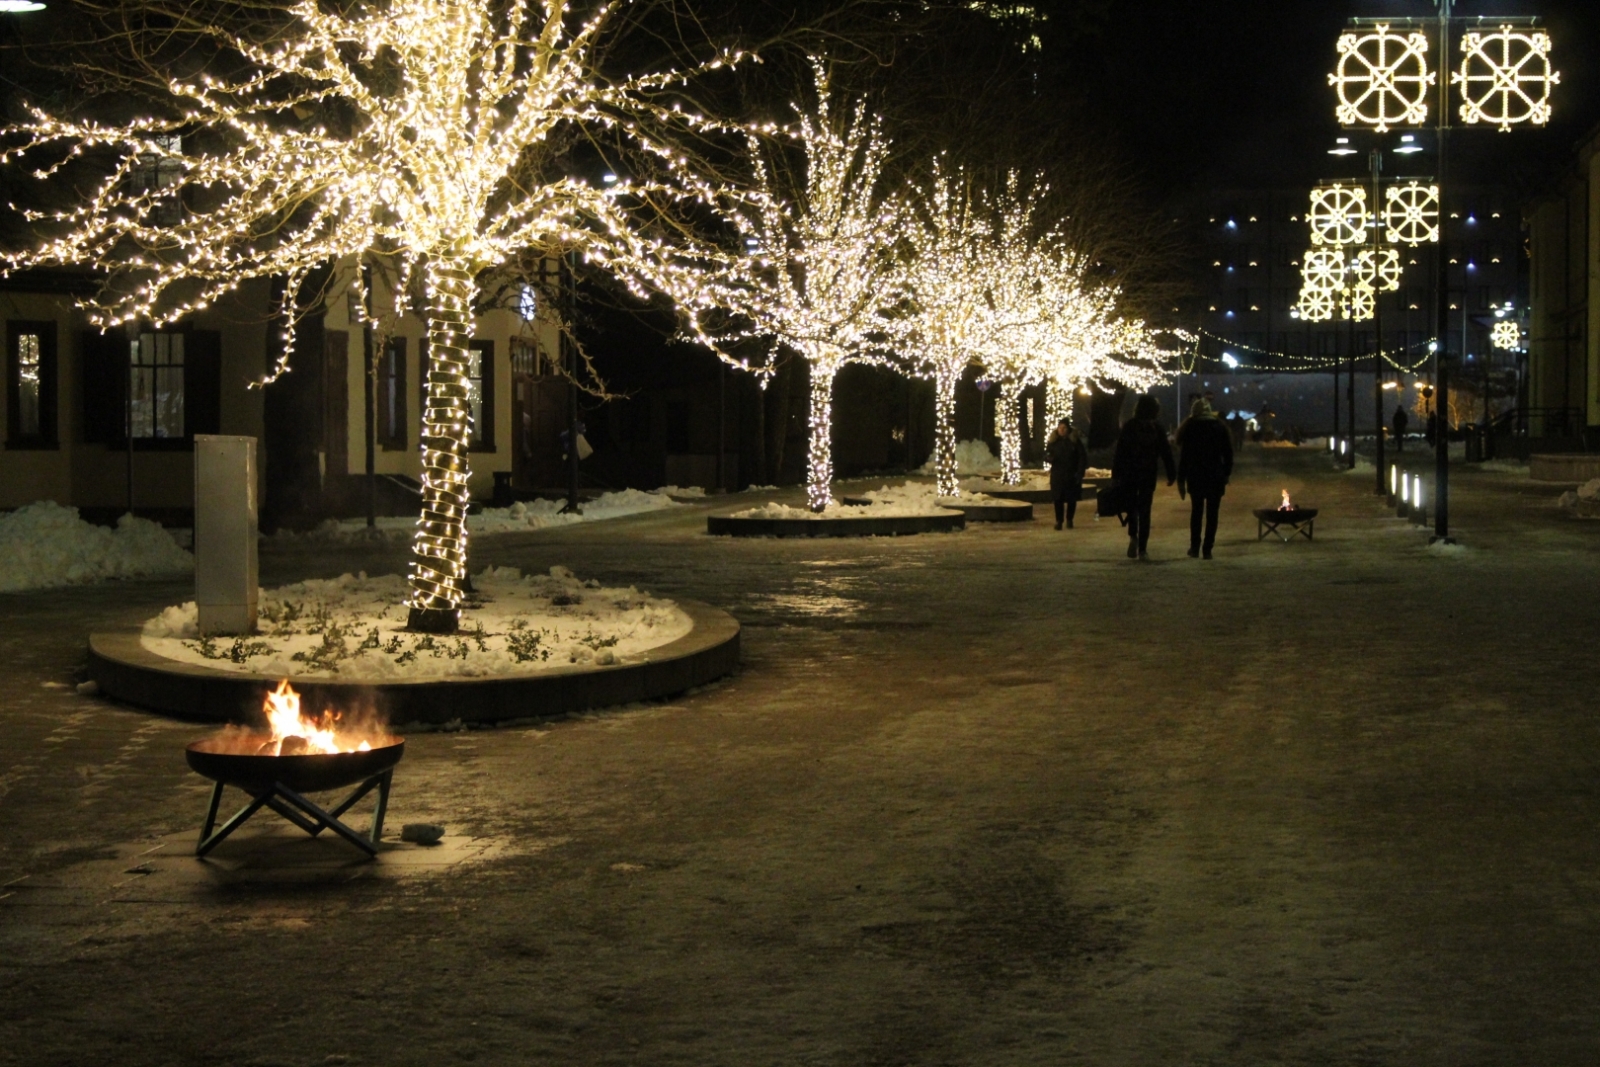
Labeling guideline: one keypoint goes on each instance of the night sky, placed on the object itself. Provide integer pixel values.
(1234, 92)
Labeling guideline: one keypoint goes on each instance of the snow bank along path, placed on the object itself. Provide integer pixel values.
(352, 628)
(518, 518)
(45, 545)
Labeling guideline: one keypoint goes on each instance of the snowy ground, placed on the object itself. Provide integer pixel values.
(351, 628)
(922, 495)
(44, 545)
(518, 518)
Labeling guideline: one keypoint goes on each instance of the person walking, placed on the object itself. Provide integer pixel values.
(1068, 460)
(1141, 447)
(1205, 463)
(1400, 421)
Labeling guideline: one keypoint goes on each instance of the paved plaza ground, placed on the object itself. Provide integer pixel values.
(998, 797)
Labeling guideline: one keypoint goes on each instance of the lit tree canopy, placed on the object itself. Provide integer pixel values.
(409, 129)
(818, 231)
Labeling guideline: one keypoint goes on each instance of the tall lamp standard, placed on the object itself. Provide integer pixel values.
(1384, 79)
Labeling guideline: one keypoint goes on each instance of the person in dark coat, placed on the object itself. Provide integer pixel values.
(1141, 448)
(1401, 421)
(1205, 463)
(1068, 460)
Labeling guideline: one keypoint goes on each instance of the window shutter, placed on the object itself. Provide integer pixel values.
(48, 387)
(103, 364)
(202, 382)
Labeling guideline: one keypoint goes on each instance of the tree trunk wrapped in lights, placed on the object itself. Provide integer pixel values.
(1009, 412)
(413, 131)
(944, 447)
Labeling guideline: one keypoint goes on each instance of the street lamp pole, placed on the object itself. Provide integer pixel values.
(1441, 363)
(1376, 161)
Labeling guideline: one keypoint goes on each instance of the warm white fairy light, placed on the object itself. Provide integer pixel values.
(1411, 214)
(1338, 215)
(305, 161)
(1382, 78)
(819, 279)
(1505, 77)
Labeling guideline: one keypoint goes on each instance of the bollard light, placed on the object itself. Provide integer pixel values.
(1416, 492)
(1405, 489)
(1394, 472)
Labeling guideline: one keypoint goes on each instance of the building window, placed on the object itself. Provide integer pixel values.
(156, 379)
(158, 173)
(480, 393)
(31, 384)
(392, 395)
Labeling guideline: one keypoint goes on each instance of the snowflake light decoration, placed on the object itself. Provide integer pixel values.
(1411, 214)
(1382, 78)
(1338, 215)
(1360, 303)
(1315, 305)
(1506, 335)
(1379, 268)
(1505, 78)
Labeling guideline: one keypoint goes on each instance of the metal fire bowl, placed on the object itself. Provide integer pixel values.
(308, 773)
(1292, 515)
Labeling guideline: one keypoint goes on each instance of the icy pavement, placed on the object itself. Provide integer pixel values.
(1004, 797)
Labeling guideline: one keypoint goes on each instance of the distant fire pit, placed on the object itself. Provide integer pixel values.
(297, 756)
(1300, 520)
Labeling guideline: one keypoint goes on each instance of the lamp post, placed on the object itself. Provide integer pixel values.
(1384, 79)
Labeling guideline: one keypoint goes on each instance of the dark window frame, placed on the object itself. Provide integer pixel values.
(391, 392)
(48, 435)
(185, 438)
(483, 435)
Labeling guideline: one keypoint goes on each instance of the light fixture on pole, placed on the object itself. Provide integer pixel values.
(1383, 78)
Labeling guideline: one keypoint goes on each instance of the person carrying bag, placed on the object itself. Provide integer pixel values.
(1141, 448)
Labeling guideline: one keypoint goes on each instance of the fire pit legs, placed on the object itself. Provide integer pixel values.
(303, 812)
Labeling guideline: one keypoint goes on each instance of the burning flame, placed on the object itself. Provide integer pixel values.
(295, 735)
(1287, 505)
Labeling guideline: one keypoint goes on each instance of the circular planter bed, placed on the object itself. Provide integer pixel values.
(865, 525)
(529, 648)
(979, 510)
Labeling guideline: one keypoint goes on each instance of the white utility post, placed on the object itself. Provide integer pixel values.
(225, 567)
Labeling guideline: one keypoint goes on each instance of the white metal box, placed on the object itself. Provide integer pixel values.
(225, 566)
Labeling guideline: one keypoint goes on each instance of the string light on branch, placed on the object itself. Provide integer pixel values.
(404, 133)
(1411, 214)
(1338, 215)
(1382, 78)
(1506, 78)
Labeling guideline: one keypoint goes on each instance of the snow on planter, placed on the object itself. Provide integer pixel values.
(45, 545)
(352, 628)
(889, 509)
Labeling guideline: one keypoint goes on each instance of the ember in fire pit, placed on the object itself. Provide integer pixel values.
(297, 756)
(1300, 520)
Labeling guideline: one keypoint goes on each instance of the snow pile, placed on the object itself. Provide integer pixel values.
(539, 514)
(1097, 472)
(689, 491)
(972, 457)
(353, 628)
(518, 518)
(45, 544)
(1584, 503)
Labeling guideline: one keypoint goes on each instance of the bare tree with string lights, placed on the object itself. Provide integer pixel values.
(408, 129)
(819, 277)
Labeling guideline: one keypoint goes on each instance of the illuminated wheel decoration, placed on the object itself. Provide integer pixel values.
(1379, 268)
(1411, 214)
(1315, 305)
(1382, 79)
(1323, 269)
(1507, 335)
(1338, 215)
(1360, 302)
(1505, 78)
